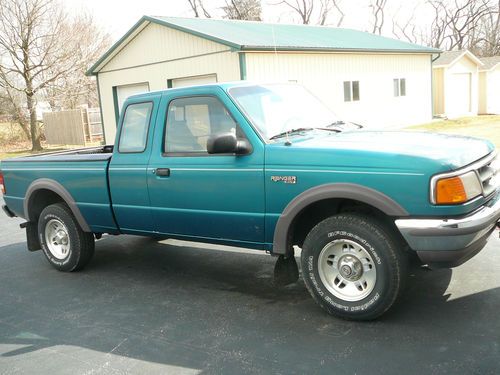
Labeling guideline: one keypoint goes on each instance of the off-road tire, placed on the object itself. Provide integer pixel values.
(81, 244)
(378, 241)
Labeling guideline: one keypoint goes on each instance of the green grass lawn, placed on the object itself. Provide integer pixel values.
(487, 127)
(14, 154)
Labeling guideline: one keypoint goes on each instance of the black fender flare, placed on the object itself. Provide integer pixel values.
(57, 188)
(356, 192)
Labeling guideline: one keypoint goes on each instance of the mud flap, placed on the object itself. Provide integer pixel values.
(286, 270)
(32, 236)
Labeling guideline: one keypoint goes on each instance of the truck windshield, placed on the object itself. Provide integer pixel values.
(276, 109)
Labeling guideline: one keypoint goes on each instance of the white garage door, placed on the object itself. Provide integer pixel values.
(196, 80)
(460, 100)
(123, 92)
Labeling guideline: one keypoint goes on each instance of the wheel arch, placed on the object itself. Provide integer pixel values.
(43, 192)
(283, 233)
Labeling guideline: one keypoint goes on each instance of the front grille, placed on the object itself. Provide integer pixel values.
(489, 174)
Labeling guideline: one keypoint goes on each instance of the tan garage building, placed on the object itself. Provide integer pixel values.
(489, 86)
(455, 84)
(364, 78)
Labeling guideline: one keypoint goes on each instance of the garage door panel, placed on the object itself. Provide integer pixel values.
(124, 91)
(195, 80)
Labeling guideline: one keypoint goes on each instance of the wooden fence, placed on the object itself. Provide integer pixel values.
(73, 127)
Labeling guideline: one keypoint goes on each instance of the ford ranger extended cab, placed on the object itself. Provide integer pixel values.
(267, 167)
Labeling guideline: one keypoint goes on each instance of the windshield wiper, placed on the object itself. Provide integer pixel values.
(336, 124)
(339, 124)
(297, 130)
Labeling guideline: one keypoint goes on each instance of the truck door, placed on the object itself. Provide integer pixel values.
(128, 167)
(193, 193)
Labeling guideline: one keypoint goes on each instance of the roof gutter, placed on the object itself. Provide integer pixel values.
(345, 50)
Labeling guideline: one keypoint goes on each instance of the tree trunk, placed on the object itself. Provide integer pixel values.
(35, 134)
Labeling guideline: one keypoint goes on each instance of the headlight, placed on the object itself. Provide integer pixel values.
(456, 189)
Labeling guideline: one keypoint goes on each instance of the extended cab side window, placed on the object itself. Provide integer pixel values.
(191, 121)
(134, 133)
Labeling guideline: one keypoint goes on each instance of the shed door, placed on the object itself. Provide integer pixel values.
(460, 102)
(196, 80)
(124, 91)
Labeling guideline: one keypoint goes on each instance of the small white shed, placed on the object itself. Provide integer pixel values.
(489, 86)
(455, 84)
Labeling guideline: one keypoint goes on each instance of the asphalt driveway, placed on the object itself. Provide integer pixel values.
(143, 307)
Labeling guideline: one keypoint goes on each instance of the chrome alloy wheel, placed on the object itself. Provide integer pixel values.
(57, 239)
(347, 270)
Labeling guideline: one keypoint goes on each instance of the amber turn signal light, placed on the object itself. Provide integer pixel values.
(450, 191)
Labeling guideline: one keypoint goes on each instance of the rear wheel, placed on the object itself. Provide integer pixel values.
(65, 245)
(353, 266)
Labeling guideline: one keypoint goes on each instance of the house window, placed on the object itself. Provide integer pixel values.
(399, 86)
(351, 91)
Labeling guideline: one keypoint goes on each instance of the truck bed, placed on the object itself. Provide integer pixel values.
(80, 154)
(82, 172)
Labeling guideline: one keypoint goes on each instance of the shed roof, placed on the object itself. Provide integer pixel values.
(260, 36)
(448, 58)
(490, 63)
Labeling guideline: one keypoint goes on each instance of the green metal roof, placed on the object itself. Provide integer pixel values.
(251, 35)
(260, 36)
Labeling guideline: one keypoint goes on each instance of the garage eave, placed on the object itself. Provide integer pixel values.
(117, 47)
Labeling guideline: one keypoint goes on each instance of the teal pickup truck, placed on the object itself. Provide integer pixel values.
(267, 167)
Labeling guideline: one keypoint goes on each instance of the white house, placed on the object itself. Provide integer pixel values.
(365, 78)
(455, 84)
(489, 86)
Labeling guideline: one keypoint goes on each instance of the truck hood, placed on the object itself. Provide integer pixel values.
(396, 148)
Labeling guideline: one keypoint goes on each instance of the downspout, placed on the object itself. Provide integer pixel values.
(243, 65)
(100, 108)
(432, 84)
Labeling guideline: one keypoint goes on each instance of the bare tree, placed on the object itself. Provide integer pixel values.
(457, 24)
(11, 104)
(250, 10)
(88, 42)
(39, 48)
(327, 8)
(378, 15)
(198, 8)
(310, 13)
(488, 35)
(304, 8)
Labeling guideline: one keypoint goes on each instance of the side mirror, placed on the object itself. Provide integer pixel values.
(227, 143)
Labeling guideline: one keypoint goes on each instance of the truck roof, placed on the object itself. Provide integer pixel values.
(223, 85)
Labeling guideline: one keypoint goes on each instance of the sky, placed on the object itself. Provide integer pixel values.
(118, 16)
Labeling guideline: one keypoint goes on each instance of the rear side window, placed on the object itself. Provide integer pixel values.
(135, 127)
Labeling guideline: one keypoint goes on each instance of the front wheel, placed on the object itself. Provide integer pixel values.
(352, 266)
(65, 245)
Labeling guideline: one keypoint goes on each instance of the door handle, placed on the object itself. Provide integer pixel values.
(162, 172)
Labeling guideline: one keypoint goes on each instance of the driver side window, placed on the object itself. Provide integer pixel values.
(191, 121)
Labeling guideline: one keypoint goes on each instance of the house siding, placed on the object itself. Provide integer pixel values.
(324, 74)
(489, 91)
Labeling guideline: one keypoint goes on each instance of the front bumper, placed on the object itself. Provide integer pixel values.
(450, 242)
